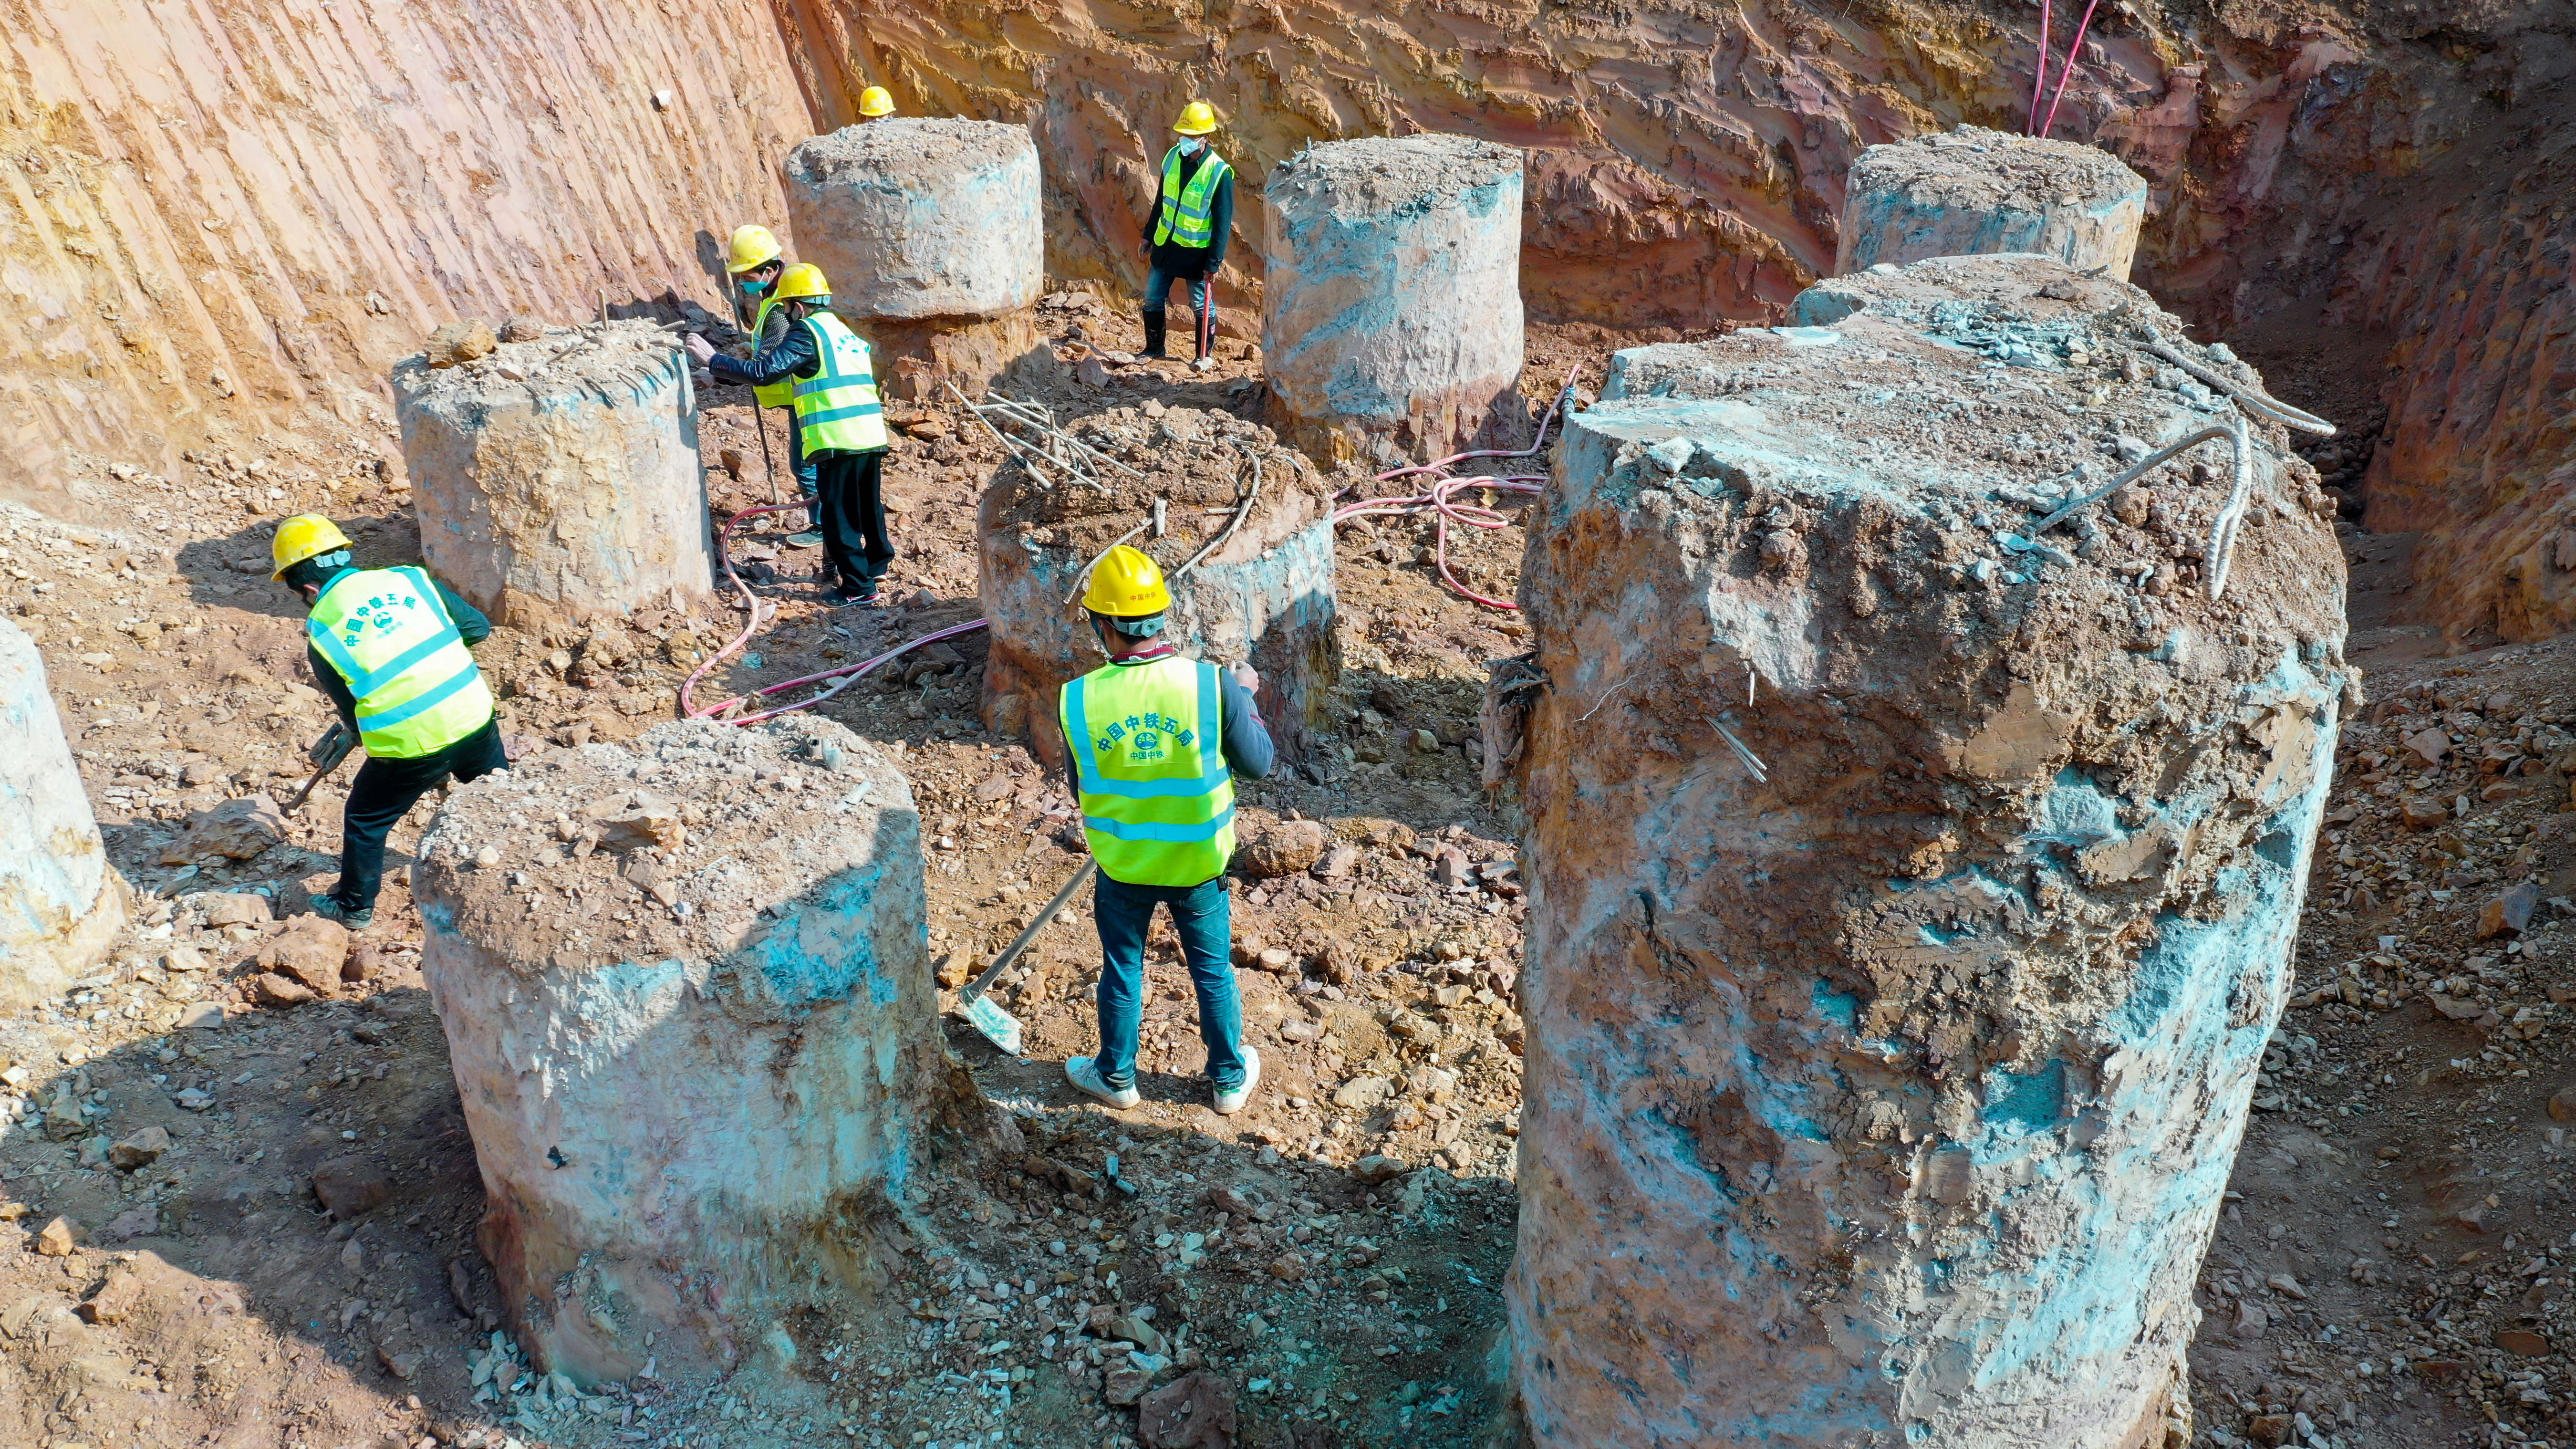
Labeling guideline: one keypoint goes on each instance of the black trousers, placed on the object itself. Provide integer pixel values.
(849, 511)
(385, 791)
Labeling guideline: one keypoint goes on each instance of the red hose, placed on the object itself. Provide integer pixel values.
(2066, 72)
(2039, 77)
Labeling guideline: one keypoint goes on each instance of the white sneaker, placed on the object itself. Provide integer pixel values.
(1084, 1073)
(1229, 1103)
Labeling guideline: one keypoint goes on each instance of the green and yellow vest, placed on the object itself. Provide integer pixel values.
(775, 394)
(389, 636)
(1185, 208)
(1157, 798)
(837, 407)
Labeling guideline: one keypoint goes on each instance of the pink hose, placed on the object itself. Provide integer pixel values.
(2066, 72)
(1445, 511)
(2039, 77)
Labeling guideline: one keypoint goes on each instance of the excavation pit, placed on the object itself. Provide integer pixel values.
(686, 994)
(61, 903)
(1264, 594)
(929, 232)
(560, 478)
(1973, 192)
(1391, 302)
(1911, 891)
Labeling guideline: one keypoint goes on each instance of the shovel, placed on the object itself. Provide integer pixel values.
(998, 1026)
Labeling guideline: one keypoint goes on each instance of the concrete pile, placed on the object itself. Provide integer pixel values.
(1975, 192)
(1911, 889)
(1391, 301)
(1262, 588)
(559, 477)
(928, 231)
(685, 991)
(61, 903)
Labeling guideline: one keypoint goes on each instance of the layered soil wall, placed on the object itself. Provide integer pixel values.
(214, 218)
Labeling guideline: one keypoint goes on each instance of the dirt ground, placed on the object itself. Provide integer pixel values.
(289, 1260)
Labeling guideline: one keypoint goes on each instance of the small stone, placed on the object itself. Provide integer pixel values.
(1277, 959)
(58, 1238)
(1452, 869)
(2284, 1283)
(2251, 1320)
(2522, 1342)
(1378, 1168)
(1425, 743)
(2439, 1369)
(2423, 812)
(1131, 1329)
(231, 909)
(1090, 373)
(351, 1186)
(1338, 862)
(1283, 849)
(459, 342)
(1193, 1411)
(522, 328)
(235, 830)
(1363, 1092)
(2562, 1107)
(140, 1149)
(117, 1299)
(2508, 914)
(311, 950)
(275, 990)
(1126, 1386)
(2430, 744)
(203, 1016)
(2269, 1430)
(401, 1365)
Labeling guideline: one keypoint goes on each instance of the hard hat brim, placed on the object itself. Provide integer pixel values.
(1186, 130)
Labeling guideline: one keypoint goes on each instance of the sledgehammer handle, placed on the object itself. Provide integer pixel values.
(1011, 952)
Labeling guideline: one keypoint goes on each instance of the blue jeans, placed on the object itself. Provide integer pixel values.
(1201, 917)
(1158, 293)
(797, 462)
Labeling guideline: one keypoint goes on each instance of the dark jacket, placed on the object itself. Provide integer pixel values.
(782, 355)
(1175, 260)
(1249, 752)
(471, 626)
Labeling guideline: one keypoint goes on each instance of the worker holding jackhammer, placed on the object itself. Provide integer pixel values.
(1193, 220)
(755, 261)
(840, 424)
(1154, 740)
(391, 649)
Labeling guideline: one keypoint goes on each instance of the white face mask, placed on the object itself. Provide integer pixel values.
(1190, 145)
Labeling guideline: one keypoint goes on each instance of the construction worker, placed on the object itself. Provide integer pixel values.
(1193, 219)
(840, 427)
(874, 102)
(390, 647)
(1154, 740)
(755, 260)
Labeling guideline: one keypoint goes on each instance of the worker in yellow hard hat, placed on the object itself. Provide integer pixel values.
(756, 261)
(840, 424)
(1154, 740)
(390, 647)
(1193, 219)
(875, 102)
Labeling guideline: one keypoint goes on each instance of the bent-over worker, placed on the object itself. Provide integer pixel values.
(755, 260)
(839, 422)
(1193, 219)
(390, 647)
(1154, 740)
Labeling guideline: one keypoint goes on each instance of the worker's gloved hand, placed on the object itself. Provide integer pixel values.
(333, 747)
(699, 348)
(1248, 677)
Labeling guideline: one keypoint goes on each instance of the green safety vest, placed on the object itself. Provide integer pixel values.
(775, 394)
(1157, 798)
(837, 407)
(1185, 208)
(389, 636)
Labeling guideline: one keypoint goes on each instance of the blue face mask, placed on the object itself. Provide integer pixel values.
(753, 288)
(1190, 145)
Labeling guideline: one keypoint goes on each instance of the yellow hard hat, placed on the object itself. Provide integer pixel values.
(874, 102)
(1197, 119)
(751, 246)
(306, 535)
(803, 280)
(1125, 584)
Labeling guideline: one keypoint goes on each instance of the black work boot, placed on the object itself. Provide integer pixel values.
(1153, 334)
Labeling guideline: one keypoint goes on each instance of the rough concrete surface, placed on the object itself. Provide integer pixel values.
(685, 991)
(61, 903)
(560, 477)
(1264, 595)
(1974, 191)
(1884, 1093)
(1391, 303)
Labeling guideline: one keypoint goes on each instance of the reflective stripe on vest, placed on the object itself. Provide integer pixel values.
(1157, 799)
(781, 393)
(392, 641)
(1185, 208)
(837, 406)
